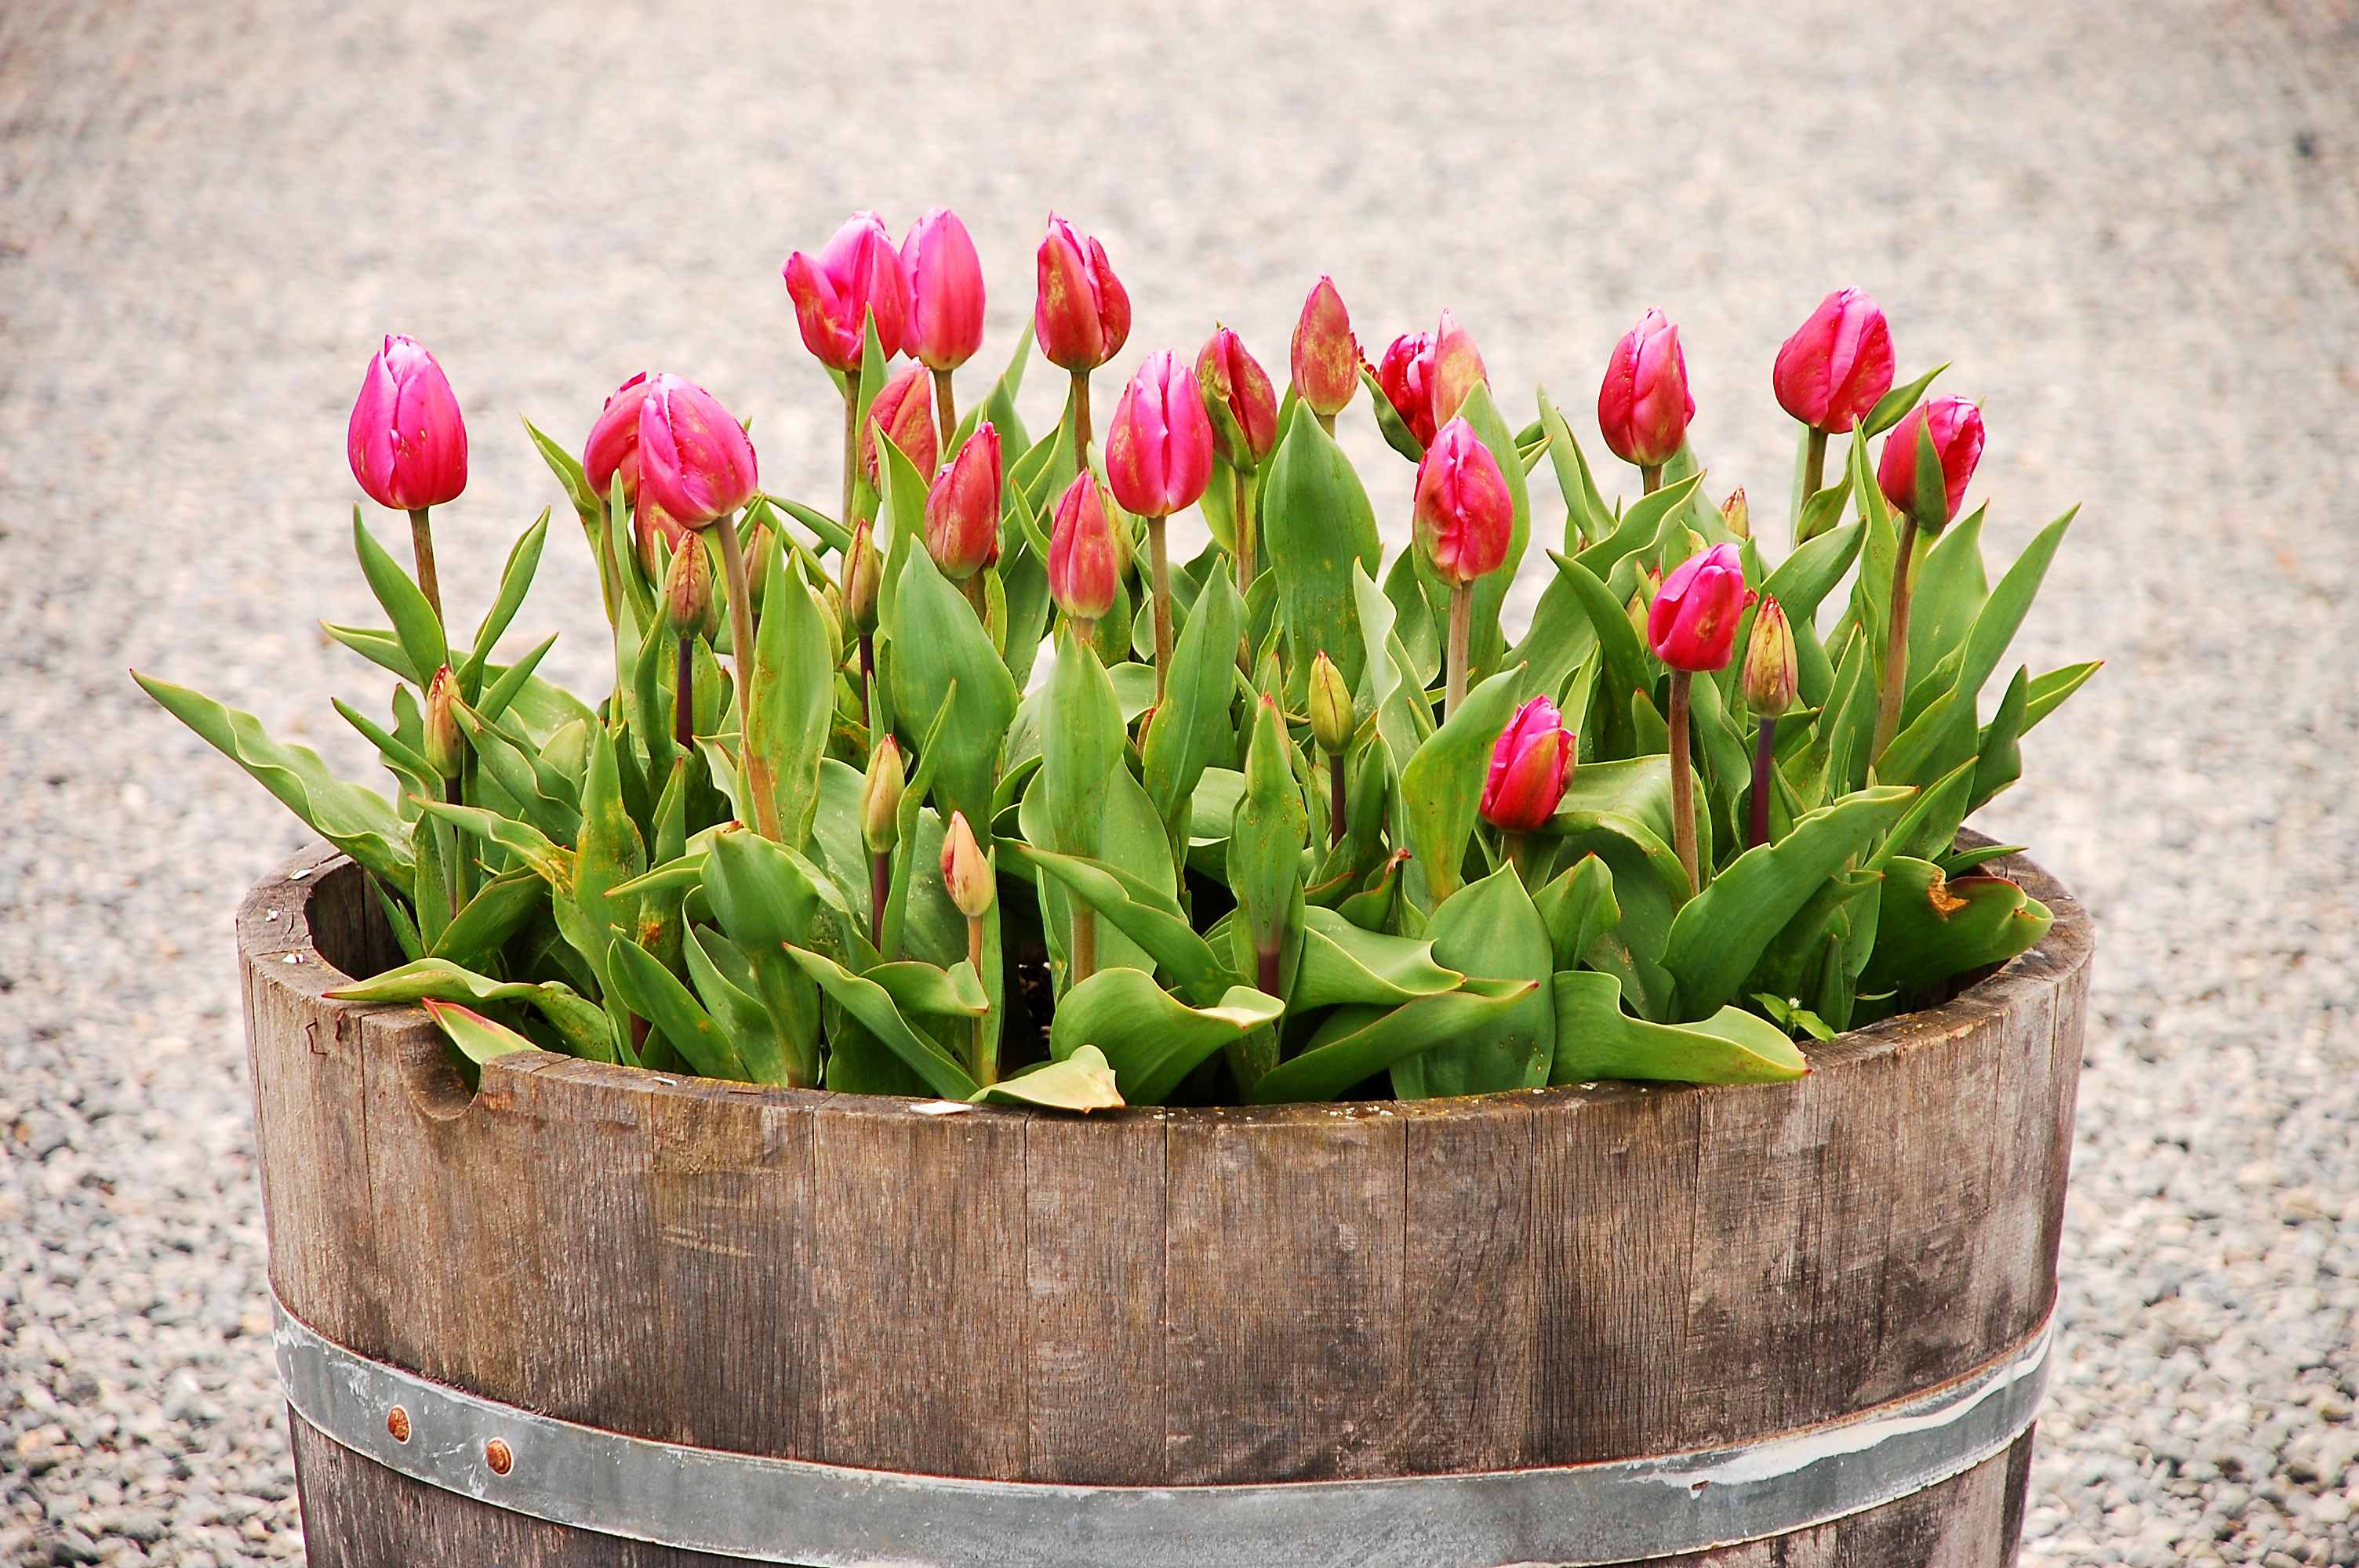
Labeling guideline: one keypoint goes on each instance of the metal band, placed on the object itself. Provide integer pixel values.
(829, 1515)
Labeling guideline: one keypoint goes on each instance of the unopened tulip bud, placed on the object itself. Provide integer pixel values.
(1956, 427)
(1735, 515)
(1637, 609)
(694, 459)
(1837, 365)
(688, 602)
(858, 272)
(613, 445)
(864, 574)
(1529, 768)
(1406, 376)
(1331, 706)
(1326, 357)
(904, 411)
(945, 325)
(1772, 672)
(1457, 370)
(446, 748)
(965, 871)
(1238, 399)
(963, 508)
(405, 441)
(880, 797)
(1465, 515)
(1692, 625)
(1643, 406)
(1084, 562)
(1159, 451)
(1081, 316)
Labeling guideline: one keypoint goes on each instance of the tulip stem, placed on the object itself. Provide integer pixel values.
(982, 1063)
(850, 442)
(1764, 758)
(1083, 962)
(1814, 476)
(1082, 436)
(752, 768)
(1162, 566)
(880, 894)
(455, 793)
(868, 684)
(422, 547)
(1683, 818)
(1462, 619)
(1895, 644)
(683, 700)
(1519, 850)
(1339, 800)
(945, 411)
(1650, 477)
(1326, 423)
(1267, 965)
(1247, 545)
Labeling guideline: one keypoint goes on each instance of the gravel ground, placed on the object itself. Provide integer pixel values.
(2134, 228)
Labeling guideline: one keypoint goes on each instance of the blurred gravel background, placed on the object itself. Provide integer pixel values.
(2133, 228)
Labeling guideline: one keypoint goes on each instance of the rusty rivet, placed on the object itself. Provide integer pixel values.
(397, 1422)
(497, 1454)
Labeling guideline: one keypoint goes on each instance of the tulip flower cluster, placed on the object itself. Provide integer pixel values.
(966, 788)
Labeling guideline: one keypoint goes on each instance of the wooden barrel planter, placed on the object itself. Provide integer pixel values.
(590, 1316)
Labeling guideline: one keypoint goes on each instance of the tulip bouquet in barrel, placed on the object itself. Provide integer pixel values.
(960, 786)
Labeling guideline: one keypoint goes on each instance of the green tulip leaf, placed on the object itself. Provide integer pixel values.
(1082, 742)
(1578, 908)
(1140, 910)
(1491, 932)
(731, 1000)
(1596, 1040)
(654, 993)
(1192, 729)
(1625, 670)
(423, 642)
(1486, 645)
(1315, 523)
(1150, 1037)
(1642, 525)
(1357, 1043)
(1443, 783)
(1586, 518)
(1932, 927)
(2049, 691)
(936, 642)
(516, 581)
(1895, 404)
(477, 1037)
(501, 907)
(1949, 592)
(954, 992)
(1081, 1082)
(1343, 964)
(873, 1005)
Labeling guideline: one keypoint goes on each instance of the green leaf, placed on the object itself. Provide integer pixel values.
(1141, 911)
(765, 899)
(1798, 957)
(1266, 838)
(831, 534)
(1486, 645)
(731, 1000)
(360, 822)
(2049, 691)
(1632, 801)
(1793, 1016)
(1596, 1040)
(1315, 523)
(501, 908)
(1965, 861)
(1640, 527)
(1443, 782)
(1804, 579)
(1625, 670)
(1930, 826)
(1151, 1039)
(608, 853)
(1895, 404)
(1586, 518)
(422, 643)
(2003, 613)
(654, 993)
(1000, 407)
(1081, 1082)
(1358, 1043)
(954, 992)
(937, 641)
(792, 697)
(1192, 729)
(568, 469)
(1933, 928)
(1392, 687)
(1396, 435)
(1949, 594)
(1578, 908)
(381, 649)
(1083, 741)
(516, 581)
(1343, 964)
(477, 1037)
(580, 1024)
(873, 1006)
(1719, 934)
(1491, 932)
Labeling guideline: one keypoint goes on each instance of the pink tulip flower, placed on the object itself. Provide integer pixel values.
(858, 272)
(406, 443)
(1692, 624)
(1159, 453)
(1643, 407)
(1081, 316)
(1837, 365)
(945, 324)
(694, 459)
(1465, 514)
(1529, 769)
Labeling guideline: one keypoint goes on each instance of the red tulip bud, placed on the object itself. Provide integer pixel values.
(1084, 561)
(904, 410)
(863, 575)
(694, 459)
(858, 272)
(945, 325)
(688, 602)
(1643, 408)
(1772, 669)
(445, 748)
(1326, 360)
(1737, 514)
(963, 508)
(1457, 370)
(1957, 429)
(966, 873)
(613, 445)
(1238, 399)
(1465, 515)
(1692, 625)
(1081, 316)
(1406, 376)
(1529, 767)
(1837, 363)
(406, 443)
(1159, 450)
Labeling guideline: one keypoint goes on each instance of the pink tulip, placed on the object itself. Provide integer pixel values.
(859, 271)
(1159, 453)
(1692, 625)
(1457, 370)
(1643, 407)
(945, 325)
(613, 445)
(406, 443)
(1326, 357)
(1837, 365)
(1081, 316)
(1957, 427)
(1238, 399)
(1529, 769)
(1465, 515)
(966, 869)
(695, 463)
(1084, 561)
(904, 410)
(1406, 376)
(963, 508)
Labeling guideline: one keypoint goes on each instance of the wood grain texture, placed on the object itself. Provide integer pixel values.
(1164, 1297)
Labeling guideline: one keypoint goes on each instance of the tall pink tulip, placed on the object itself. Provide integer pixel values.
(1957, 429)
(408, 445)
(945, 325)
(1081, 316)
(1406, 373)
(1084, 561)
(857, 272)
(1466, 522)
(1837, 365)
(1159, 459)
(1325, 356)
(1692, 628)
(962, 509)
(694, 459)
(1529, 769)
(1238, 399)
(614, 450)
(1643, 406)
(1457, 370)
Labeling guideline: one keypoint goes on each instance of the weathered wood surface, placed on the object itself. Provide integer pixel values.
(1162, 1296)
